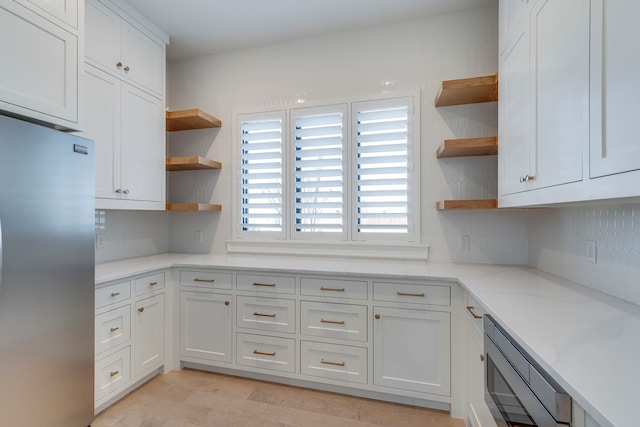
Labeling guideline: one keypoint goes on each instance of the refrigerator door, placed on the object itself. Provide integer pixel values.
(47, 294)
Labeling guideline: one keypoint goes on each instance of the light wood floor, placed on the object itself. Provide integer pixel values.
(190, 398)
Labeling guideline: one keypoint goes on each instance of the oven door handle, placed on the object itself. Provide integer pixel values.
(532, 405)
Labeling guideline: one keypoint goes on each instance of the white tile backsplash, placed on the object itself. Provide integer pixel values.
(557, 244)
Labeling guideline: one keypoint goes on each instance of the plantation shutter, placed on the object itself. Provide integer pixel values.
(261, 174)
(382, 203)
(318, 171)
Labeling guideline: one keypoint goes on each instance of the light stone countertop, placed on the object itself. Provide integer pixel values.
(588, 341)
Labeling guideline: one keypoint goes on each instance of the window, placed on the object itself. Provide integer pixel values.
(340, 173)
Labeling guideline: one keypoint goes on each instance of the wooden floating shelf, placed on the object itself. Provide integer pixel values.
(467, 204)
(190, 119)
(191, 163)
(195, 207)
(468, 147)
(468, 91)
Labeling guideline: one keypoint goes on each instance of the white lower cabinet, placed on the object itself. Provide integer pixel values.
(205, 326)
(130, 333)
(412, 350)
(321, 329)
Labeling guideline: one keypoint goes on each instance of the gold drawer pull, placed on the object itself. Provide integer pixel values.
(204, 280)
(405, 294)
(332, 289)
(153, 283)
(482, 357)
(470, 310)
(262, 353)
(333, 322)
(115, 329)
(326, 362)
(113, 373)
(263, 314)
(264, 284)
(141, 309)
(115, 294)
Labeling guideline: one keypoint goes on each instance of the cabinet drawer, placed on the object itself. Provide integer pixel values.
(265, 352)
(112, 373)
(412, 293)
(267, 283)
(113, 293)
(206, 279)
(149, 283)
(336, 288)
(266, 314)
(337, 362)
(342, 321)
(112, 328)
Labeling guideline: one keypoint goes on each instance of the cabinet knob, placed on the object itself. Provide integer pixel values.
(227, 302)
(125, 191)
(482, 357)
(118, 190)
(118, 64)
(126, 68)
(141, 309)
(530, 177)
(377, 316)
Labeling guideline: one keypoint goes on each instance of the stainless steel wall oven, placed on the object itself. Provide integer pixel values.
(518, 392)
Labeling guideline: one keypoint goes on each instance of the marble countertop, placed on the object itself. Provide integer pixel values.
(588, 341)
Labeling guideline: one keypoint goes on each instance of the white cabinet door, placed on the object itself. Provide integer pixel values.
(143, 59)
(412, 350)
(102, 125)
(478, 413)
(141, 144)
(39, 72)
(511, 17)
(102, 36)
(206, 326)
(514, 110)
(615, 67)
(149, 330)
(560, 82)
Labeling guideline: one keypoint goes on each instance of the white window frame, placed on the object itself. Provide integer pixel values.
(349, 244)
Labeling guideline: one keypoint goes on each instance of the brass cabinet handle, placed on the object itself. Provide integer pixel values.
(118, 64)
(333, 322)
(115, 294)
(263, 353)
(377, 316)
(482, 357)
(332, 289)
(227, 302)
(115, 329)
(470, 310)
(405, 294)
(141, 309)
(126, 68)
(263, 284)
(113, 373)
(326, 362)
(153, 283)
(263, 314)
(204, 280)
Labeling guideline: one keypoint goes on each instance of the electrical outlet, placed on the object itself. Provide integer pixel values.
(463, 242)
(591, 251)
(199, 236)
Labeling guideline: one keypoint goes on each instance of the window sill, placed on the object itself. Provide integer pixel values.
(318, 248)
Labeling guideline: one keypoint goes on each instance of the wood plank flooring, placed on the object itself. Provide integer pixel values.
(191, 398)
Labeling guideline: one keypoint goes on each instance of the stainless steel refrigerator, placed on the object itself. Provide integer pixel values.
(47, 228)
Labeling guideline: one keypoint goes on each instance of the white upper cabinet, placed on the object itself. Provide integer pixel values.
(124, 50)
(581, 103)
(512, 15)
(615, 67)
(41, 65)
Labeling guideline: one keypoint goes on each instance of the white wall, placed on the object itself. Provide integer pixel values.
(557, 245)
(413, 55)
